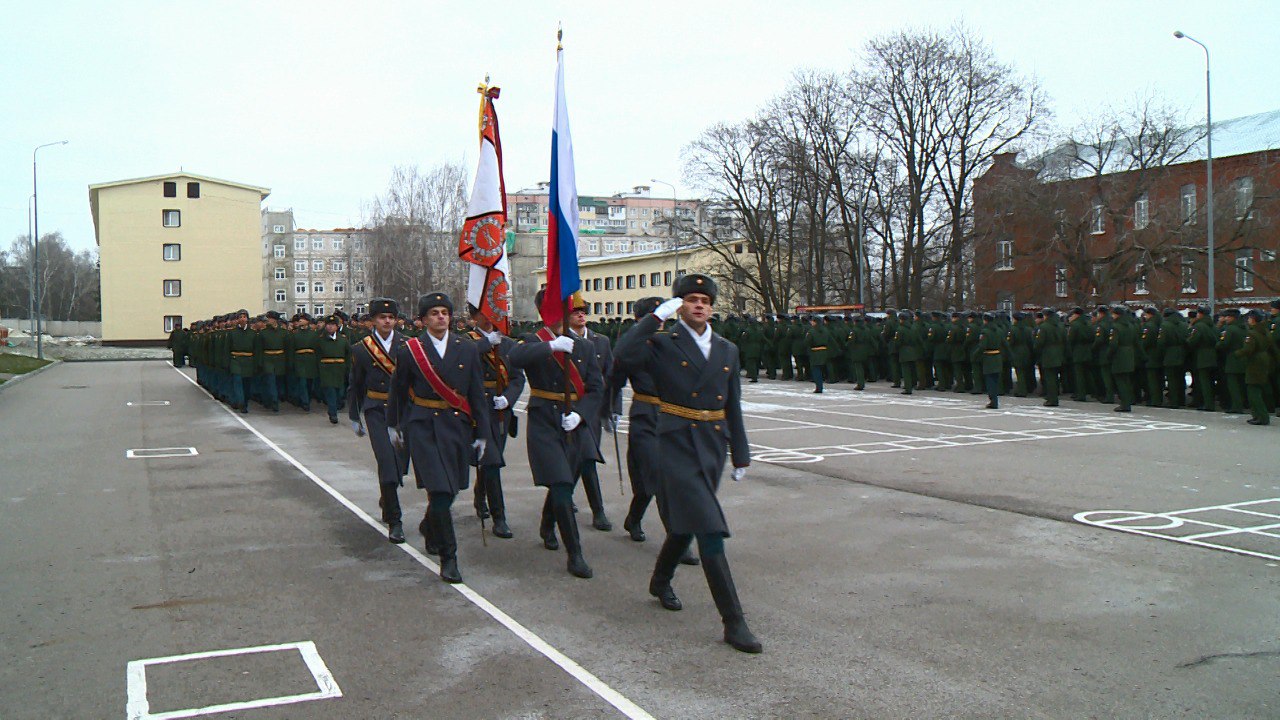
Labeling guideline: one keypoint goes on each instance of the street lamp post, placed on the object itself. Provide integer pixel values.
(31, 274)
(1208, 127)
(35, 239)
(675, 215)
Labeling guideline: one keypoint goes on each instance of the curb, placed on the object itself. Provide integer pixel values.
(15, 380)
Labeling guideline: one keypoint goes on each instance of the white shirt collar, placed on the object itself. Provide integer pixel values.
(386, 344)
(440, 345)
(703, 341)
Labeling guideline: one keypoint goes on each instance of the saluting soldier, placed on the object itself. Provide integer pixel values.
(438, 408)
(502, 387)
(373, 363)
(558, 441)
(699, 423)
(334, 351)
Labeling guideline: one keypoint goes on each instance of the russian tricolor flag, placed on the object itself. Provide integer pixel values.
(562, 209)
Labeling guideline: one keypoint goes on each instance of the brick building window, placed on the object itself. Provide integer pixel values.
(172, 322)
(644, 280)
(339, 265)
(172, 251)
(666, 278)
(1004, 255)
(1244, 270)
(1188, 274)
(1141, 212)
(358, 265)
(1140, 280)
(360, 287)
(173, 288)
(337, 243)
(317, 309)
(318, 287)
(631, 307)
(608, 308)
(1060, 280)
(1187, 199)
(1098, 221)
(655, 279)
(1244, 198)
(300, 309)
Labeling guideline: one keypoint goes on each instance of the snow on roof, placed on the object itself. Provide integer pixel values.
(1243, 135)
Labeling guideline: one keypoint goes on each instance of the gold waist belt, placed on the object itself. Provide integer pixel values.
(429, 403)
(376, 395)
(491, 384)
(273, 352)
(241, 354)
(548, 395)
(691, 413)
(332, 360)
(991, 352)
(820, 347)
(300, 351)
(651, 399)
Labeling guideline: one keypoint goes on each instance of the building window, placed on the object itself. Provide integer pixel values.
(737, 249)
(608, 283)
(277, 229)
(193, 189)
(172, 322)
(597, 308)
(1060, 280)
(1098, 273)
(1188, 274)
(337, 243)
(300, 309)
(299, 244)
(643, 280)
(172, 251)
(171, 218)
(593, 246)
(361, 309)
(631, 282)
(358, 265)
(1004, 302)
(1267, 255)
(608, 308)
(299, 266)
(595, 284)
(631, 308)
(1244, 270)
(1004, 252)
(666, 278)
(338, 307)
(318, 287)
(625, 245)
(170, 188)
(1244, 198)
(338, 265)
(280, 296)
(1188, 200)
(317, 243)
(1098, 221)
(655, 279)
(279, 273)
(317, 309)
(358, 244)
(1141, 212)
(279, 251)
(300, 287)
(173, 288)
(610, 246)
(1140, 279)
(317, 266)
(360, 288)
(339, 287)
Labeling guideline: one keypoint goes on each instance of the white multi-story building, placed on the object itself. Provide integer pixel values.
(312, 271)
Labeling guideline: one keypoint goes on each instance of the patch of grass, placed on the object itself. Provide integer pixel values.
(19, 364)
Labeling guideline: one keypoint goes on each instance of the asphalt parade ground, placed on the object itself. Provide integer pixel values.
(899, 557)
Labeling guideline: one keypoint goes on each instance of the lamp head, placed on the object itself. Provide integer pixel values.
(1178, 34)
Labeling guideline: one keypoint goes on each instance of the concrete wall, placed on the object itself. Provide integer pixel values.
(56, 328)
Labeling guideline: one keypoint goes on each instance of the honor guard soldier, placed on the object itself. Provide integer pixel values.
(373, 363)
(502, 387)
(642, 432)
(437, 407)
(557, 366)
(608, 416)
(699, 422)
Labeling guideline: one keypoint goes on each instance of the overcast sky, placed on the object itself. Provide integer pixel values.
(319, 100)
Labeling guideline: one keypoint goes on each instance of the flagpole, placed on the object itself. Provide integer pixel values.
(564, 316)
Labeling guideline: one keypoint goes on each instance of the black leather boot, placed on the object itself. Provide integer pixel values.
(688, 558)
(432, 545)
(497, 505)
(480, 501)
(665, 569)
(591, 484)
(547, 530)
(577, 565)
(443, 522)
(639, 503)
(736, 632)
(395, 533)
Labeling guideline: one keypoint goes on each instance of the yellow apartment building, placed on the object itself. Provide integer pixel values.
(174, 249)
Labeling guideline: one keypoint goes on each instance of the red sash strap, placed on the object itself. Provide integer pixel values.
(575, 378)
(379, 356)
(446, 393)
(494, 359)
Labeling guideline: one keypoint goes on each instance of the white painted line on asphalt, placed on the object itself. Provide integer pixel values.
(1124, 521)
(139, 706)
(147, 403)
(152, 453)
(564, 662)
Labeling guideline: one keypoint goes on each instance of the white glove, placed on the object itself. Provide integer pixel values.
(562, 343)
(494, 338)
(479, 446)
(499, 402)
(396, 438)
(738, 474)
(570, 421)
(668, 308)
(357, 427)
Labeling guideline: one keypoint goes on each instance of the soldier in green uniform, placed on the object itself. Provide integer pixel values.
(243, 347)
(1020, 338)
(990, 340)
(1273, 330)
(910, 346)
(334, 351)
(940, 334)
(888, 340)
(956, 332)
(1230, 340)
(1050, 343)
(304, 364)
(1102, 354)
(1079, 345)
(973, 332)
(177, 344)
(274, 362)
(1123, 346)
(818, 346)
(1150, 377)
(751, 343)
(858, 349)
(1258, 353)
(1202, 340)
(800, 348)
(1171, 344)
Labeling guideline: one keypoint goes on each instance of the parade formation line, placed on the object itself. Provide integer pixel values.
(564, 662)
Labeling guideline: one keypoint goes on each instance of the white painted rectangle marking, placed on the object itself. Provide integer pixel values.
(151, 453)
(147, 403)
(138, 706)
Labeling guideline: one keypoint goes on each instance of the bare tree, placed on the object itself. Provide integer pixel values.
(68, 283)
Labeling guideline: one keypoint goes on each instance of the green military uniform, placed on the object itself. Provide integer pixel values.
(244, 353)
(817, 344)
(1123, 353)
(751, 345)
(1050, 344)
(990, 340)
(334, 352)
(1230, 340)
(1171, 344)
(1258, 352)
(1020, 338)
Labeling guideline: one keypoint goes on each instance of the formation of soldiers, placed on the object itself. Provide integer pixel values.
(436, 394)
(1109, 354)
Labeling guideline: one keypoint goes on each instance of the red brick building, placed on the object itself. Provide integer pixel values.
(1125, 222)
